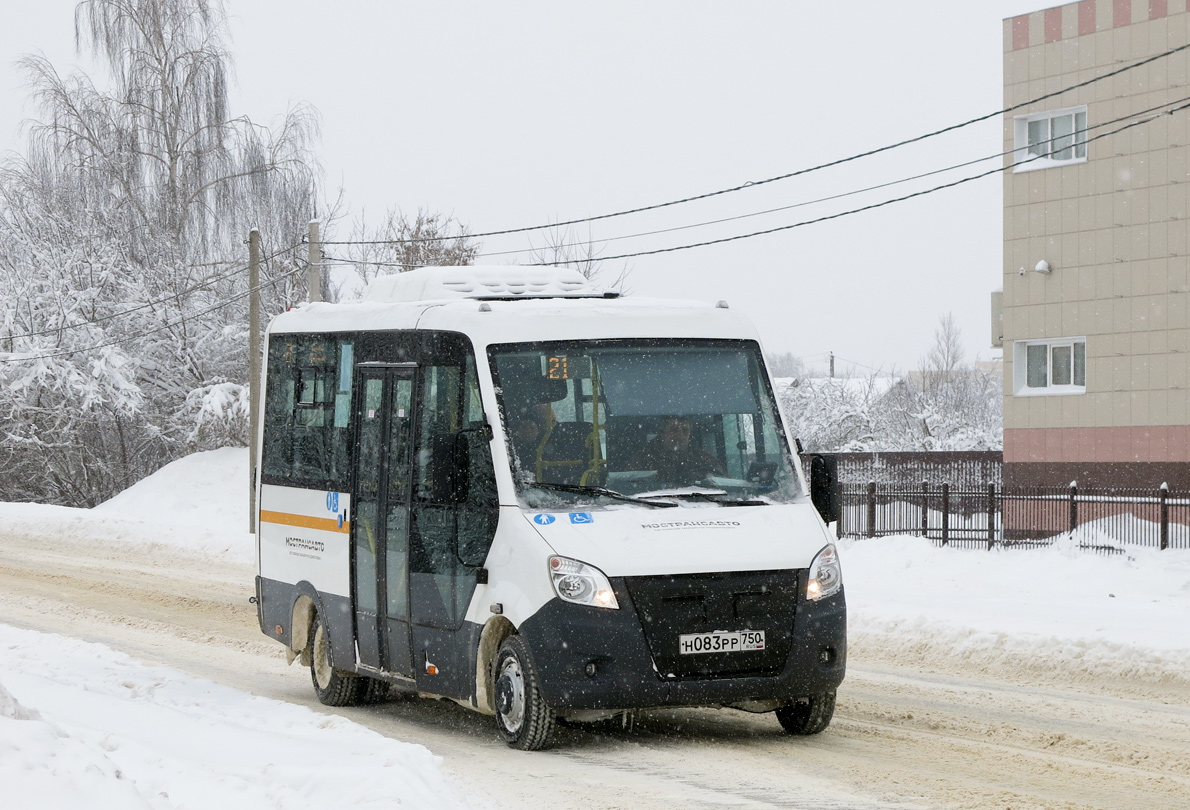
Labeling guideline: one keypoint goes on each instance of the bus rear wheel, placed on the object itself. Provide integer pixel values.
(333, 687)
(809, 715)
(523, 719)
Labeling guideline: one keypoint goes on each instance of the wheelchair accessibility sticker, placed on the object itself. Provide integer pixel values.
(581, 517)
(543, 520)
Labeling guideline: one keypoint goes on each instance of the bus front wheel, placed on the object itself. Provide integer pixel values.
(333, 687)
(523, 719)
(808, 716)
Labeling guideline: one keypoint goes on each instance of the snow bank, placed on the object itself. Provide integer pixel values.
(198, 503)
(108, 733)
(201, 491)
(44, 766)
(1059, 607)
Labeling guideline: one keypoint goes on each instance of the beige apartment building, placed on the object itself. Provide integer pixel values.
(1094, 316)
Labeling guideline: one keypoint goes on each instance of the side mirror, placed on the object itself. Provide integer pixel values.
(823, 493)
(474, 490)
(472, 463)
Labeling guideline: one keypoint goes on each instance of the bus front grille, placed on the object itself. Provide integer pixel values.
(672, 606)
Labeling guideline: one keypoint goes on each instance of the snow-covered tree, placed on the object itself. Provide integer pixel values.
(948, 404)
(122, 255)
(835, 414)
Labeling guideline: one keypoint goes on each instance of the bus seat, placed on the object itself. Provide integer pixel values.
(625, 437)
(565, 455)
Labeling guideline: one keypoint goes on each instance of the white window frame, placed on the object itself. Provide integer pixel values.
(1039, 133)
(1021, 386)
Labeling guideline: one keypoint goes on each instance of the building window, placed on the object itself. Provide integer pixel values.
(1051, 139)
(1046, 367)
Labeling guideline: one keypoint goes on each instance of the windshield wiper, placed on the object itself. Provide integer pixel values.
(713, 496)
(604, 491)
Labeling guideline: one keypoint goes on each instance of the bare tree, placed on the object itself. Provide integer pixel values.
(561, 248)
(948, 404)
(402, 243)
(946, 355)
(786, 364)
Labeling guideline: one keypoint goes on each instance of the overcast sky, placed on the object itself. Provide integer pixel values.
(526, 113)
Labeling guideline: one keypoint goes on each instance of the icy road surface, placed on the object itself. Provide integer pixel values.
(929, 717)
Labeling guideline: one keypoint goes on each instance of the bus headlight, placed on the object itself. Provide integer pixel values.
(581, 584)
(826, 577)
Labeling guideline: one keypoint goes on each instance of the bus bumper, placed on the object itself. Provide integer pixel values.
(598, 659)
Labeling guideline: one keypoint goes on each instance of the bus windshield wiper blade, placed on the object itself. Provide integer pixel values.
(604, 491)
(713, 496)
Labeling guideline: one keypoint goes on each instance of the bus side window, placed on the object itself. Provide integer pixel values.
(307, 397)
(280, 399)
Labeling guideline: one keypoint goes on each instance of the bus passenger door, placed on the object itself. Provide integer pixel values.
(381, 526)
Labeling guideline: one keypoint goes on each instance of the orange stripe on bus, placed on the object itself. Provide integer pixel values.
(305, 522)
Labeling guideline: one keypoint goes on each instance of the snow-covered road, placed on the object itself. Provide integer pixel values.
(1001, 702)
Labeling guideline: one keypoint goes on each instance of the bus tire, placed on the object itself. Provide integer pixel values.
(523, 719)
(808, 716)
(372, 691)
(333, 687)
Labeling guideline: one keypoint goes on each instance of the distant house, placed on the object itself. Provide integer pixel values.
(1094, 316)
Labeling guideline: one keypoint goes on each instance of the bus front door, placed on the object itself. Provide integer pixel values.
(381, 526)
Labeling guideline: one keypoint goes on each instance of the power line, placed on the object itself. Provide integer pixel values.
(882, 204)
(276, 280)
(797, 173)
(861, 365)
(737, 237)
(148, 304)
(961, 181)
(830, 198)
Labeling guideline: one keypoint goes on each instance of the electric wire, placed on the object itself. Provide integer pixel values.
(797, 173)
(838, 215)
(871, 207)
(830, 198)
(860, 365)
(148, 304)
(706, 243)
(18, 357)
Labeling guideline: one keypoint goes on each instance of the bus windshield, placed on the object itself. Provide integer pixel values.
(594, 421)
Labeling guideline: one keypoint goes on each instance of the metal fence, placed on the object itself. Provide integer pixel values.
(992, 515)
(966, 469)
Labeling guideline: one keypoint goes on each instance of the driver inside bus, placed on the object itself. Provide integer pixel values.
(525, 431)
(674, 456)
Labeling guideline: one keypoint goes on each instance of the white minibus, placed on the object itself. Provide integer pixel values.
(500, 486)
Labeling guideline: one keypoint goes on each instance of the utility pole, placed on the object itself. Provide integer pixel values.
(832, 365)
(314, 267)
(253, 368)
